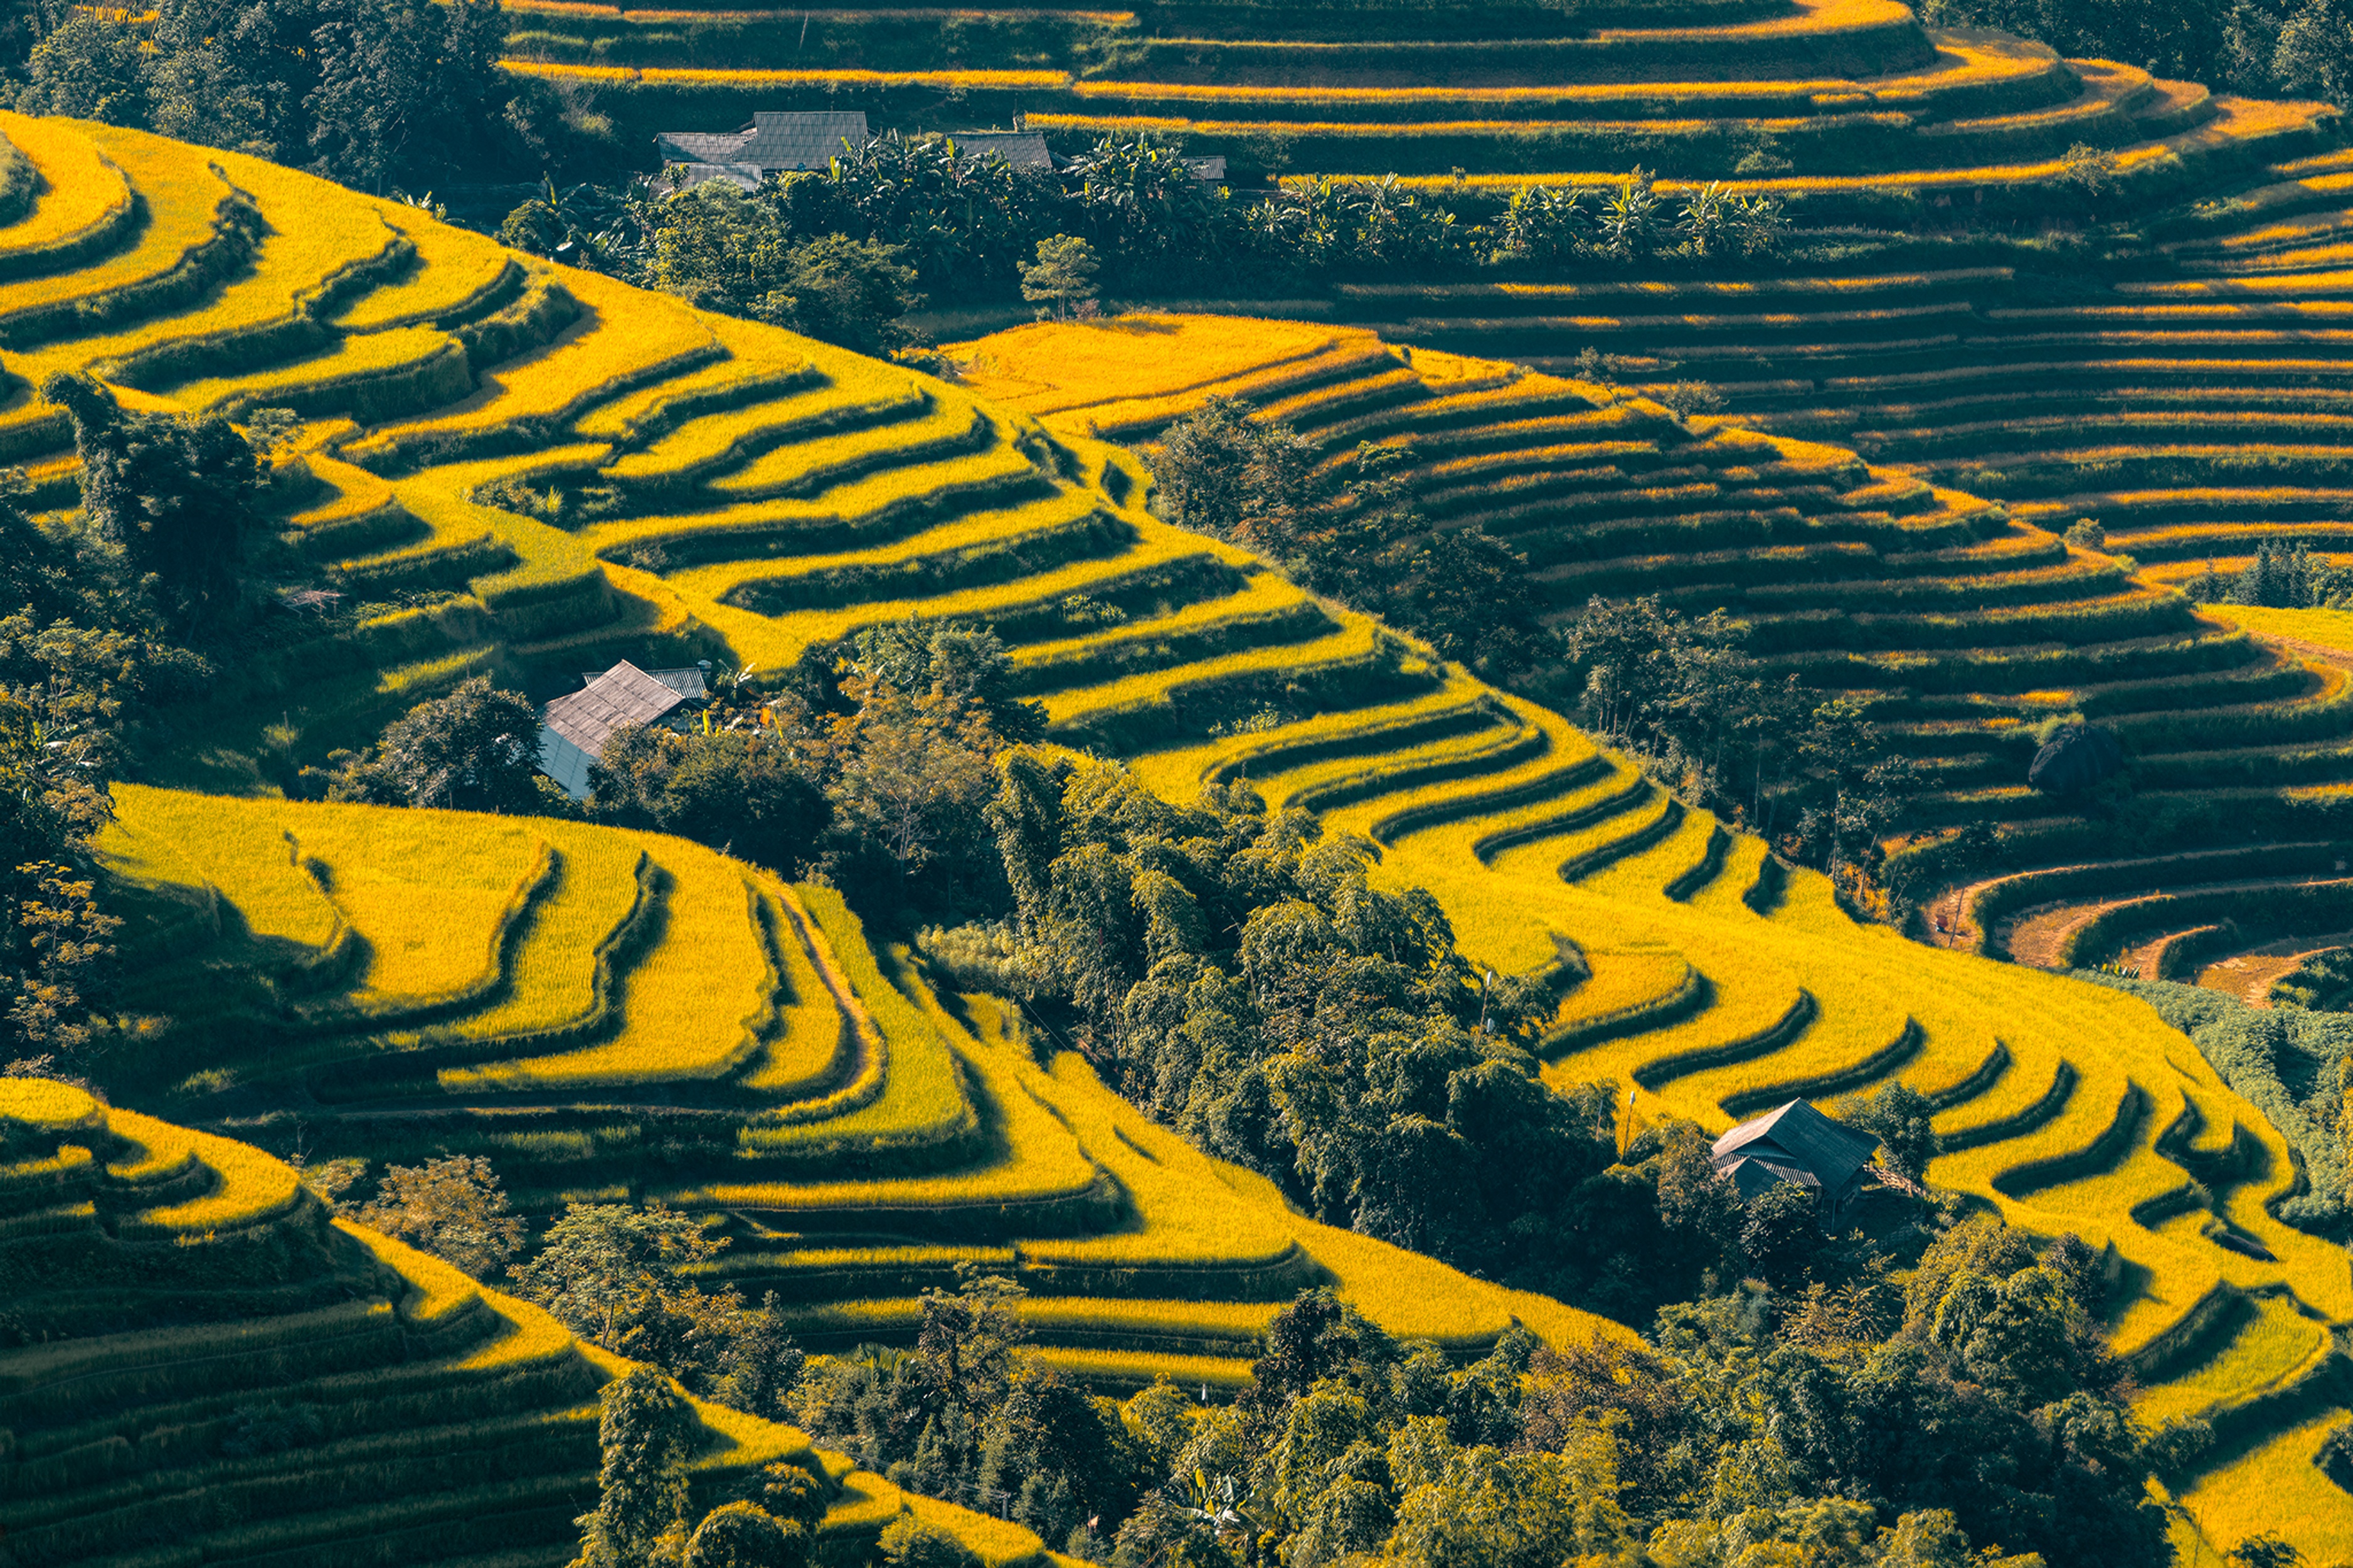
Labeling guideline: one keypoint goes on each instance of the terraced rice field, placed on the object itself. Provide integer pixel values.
(625, 1014)
(862, 1133)
(200, 1283)
(1716, 990)
(1960, 626)
(1857, 100)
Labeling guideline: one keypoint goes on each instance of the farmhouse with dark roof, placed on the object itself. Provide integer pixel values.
(572, 729)
(773, 141)
(1800, 1145)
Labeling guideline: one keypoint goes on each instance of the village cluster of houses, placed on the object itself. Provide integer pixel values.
(785, 142)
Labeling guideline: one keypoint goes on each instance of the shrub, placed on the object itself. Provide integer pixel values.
(908, 1543)
(744, 1535)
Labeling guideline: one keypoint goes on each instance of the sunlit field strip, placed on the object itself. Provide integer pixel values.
(812, 1034)
(952, 425)
(714, 439)
(1349, 643)
(186, 203)
(362, 359)
(1263, 592)
(923, 1097)
(621, 338)
(694, 1001)
(1039, 1160)
(252, 1186)
(1408, 131)
(86, 194)
(554, 966)
(2239, 118)
(454, 272)
(1048, 368)
(787, 80)
(865, 503)
(240, 851)
(430, 899)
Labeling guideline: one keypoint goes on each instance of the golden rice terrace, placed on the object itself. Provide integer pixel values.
(616, 1014)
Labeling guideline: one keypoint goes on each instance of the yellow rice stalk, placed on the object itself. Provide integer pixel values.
(993, 1542)
(693, 1001)
(48, 1106)
(1039, 1160)
(555, 965)
(1349, 643)
(623, 336)
(252, 1186)
(707, 442)
(759, 358)
(454, 270)
(789, 80)
(83, 193)
(815, 1032)
(184, 196)
(166, 837)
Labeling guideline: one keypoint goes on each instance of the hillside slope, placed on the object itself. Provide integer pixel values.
(1850, 101)
(602, 1012)
(1957, 622)
(692, 483)
(204, 1369)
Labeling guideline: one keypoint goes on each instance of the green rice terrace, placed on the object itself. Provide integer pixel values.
(528, 470)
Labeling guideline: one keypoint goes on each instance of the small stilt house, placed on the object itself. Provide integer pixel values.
(572, 729)
(1800, 1146)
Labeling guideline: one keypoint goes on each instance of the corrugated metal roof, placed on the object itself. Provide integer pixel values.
(700, 147)
(1750, 1177)
(1796, 1134)
(1022, 149)
(774, 141)
(686, 681)
(1211, 168)
(622, 695)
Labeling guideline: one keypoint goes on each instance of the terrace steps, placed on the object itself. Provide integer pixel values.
(1709, 1008)
(1754, 983)
(416, 1412)
(1853, 92)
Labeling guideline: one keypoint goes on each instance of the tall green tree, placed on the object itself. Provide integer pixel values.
(175, 494)
(475, 749)
(644, 1433)
(452, 1207)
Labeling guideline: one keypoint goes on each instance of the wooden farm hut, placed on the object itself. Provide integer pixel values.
(572, 729)
(1800, 1145)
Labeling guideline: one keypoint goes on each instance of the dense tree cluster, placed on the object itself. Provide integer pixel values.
(1246, 983)
(873, 765)
(839, 254)
(106, 620)
(1679, 692)
(1962, 1412)
(2295, 48)
(476, 749)
(1348, 529)
(370, 92)
(1806, 771)
(2290, 576)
